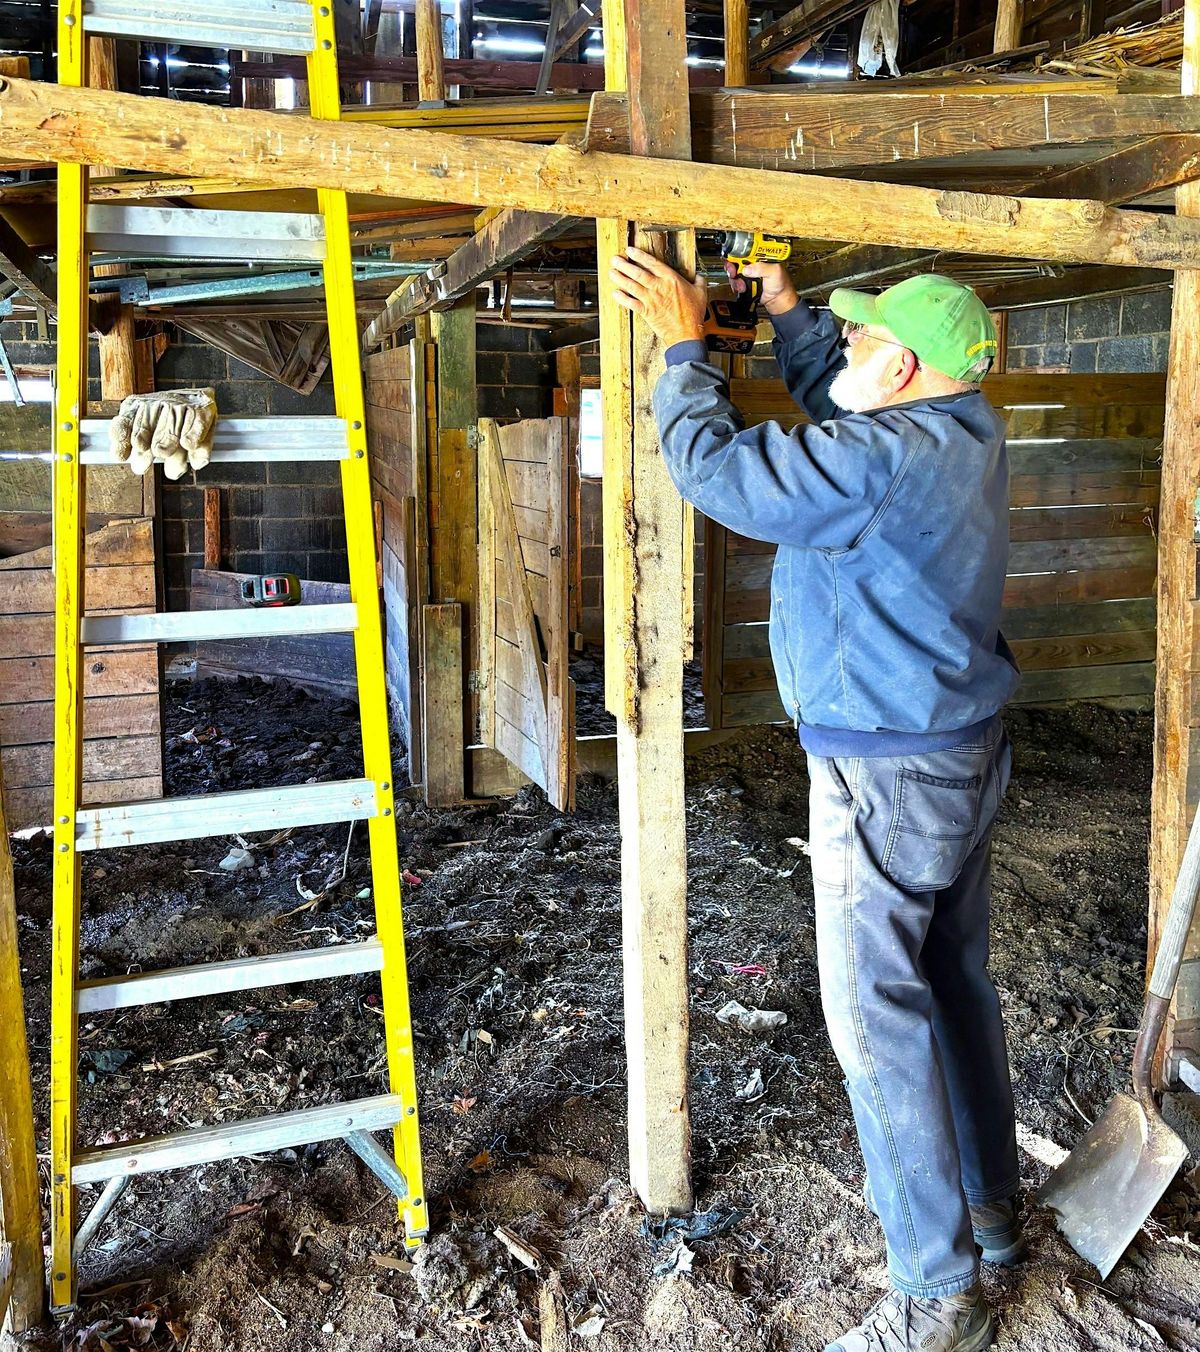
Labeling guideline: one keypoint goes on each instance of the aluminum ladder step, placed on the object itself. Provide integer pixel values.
(239, 974)
(193, 232)
(155, 820)
(196, 626)
(229, 1140)
(284, 26)
(243, 440)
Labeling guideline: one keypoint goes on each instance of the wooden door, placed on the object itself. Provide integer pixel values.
(527, 704)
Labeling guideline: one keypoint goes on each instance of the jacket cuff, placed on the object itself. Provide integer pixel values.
(691, 349)
(794, 323)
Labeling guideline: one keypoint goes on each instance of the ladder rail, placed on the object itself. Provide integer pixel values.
(77, 444)
(68, 507)
(325, 103)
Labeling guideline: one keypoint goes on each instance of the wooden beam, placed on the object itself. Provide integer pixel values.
(1134, 171)
(856, 264)
(571, 29)
(786, 130)
(94, 126)
(510, 75)
(501, 243)
(650, 741)
(26, 271)
(431, 73)
(1175, 713)
(20, 1214)
(809, 20)
(212, 528)
(442, 683)
(737, 43)
(1010, 19)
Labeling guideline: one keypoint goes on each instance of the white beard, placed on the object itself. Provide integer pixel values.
(857, 391)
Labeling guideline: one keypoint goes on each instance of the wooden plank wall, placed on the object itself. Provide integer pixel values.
(398, 393)
(122, 756)
(1079, 602)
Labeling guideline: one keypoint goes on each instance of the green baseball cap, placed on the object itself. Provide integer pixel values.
(941, 320)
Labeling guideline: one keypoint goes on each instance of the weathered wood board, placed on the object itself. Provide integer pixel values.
(122, 724)
(1079, 600)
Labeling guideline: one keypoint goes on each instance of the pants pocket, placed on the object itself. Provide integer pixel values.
(932, 831)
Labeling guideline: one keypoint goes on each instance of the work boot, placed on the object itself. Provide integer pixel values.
(900, 1323)
(996, 1226)
(998, 1232)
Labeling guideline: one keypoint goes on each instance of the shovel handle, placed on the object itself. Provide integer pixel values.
(1173, 939)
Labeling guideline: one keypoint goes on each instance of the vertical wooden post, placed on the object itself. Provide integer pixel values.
(212, 528)
(431, 76)
(118, 357)
(445, 754)
(644, 635)
(737, 43)
(1010, 19)
(20, 1218)
(1175, 712)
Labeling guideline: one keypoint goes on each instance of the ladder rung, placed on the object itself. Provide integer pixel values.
(243, 440)
(283, 26)
(184, 232)
(194, 626)
(241, 974)
(228, 1140)
(154, 820)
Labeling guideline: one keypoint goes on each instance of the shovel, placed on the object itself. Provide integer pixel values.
(1112, 1180)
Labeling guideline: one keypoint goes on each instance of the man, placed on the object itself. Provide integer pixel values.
(891, 515)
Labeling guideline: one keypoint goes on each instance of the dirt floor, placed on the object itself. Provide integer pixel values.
(514, 954)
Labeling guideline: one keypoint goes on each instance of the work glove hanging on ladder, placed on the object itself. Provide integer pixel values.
(175, 427)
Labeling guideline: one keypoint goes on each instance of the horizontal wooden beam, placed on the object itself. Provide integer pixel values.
(461, 71)
(832, 128)
(100, 127)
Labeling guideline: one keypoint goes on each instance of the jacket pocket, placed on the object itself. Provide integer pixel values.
(933, 830)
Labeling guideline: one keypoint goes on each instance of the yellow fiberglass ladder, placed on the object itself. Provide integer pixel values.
(290, 27)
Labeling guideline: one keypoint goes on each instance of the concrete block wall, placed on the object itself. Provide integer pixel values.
(514, 372)
(1105, 334)
(282, 518)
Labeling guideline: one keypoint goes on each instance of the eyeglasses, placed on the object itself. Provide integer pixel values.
(853, 332)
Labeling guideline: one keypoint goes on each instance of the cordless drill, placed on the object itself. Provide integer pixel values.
(730, 325)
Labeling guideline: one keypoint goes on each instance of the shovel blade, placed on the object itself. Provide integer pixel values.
(1112, 1180)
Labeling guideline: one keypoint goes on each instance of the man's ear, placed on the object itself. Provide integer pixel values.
(906, 368)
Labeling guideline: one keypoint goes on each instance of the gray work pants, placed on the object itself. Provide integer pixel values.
(901, 851)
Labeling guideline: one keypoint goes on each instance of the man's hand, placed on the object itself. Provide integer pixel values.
(672, 306)
(778, 293)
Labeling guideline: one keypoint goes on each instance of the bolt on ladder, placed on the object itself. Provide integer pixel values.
(287, 26)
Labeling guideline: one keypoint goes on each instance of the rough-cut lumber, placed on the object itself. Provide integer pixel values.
(516, 75)
(857, 264)
(442, 659)
(757, 129)
(805, 23)
(431, 75)
(1171, 806)
(737, 43)
(650, 744)
(20, 1215)
(501, 243)
(1146, 167)
(95, 126)
(26, 271)
(1010, 19)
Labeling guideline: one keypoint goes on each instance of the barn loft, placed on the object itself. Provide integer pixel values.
(421, 625)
